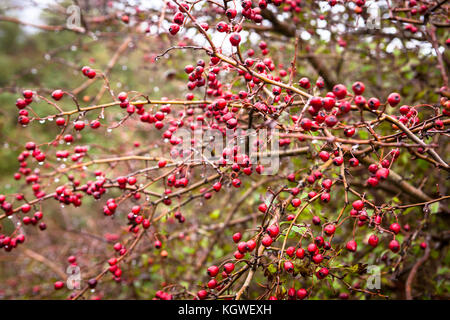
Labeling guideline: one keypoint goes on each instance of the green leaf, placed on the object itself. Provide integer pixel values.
(299, 230)
(215, 214)
(272, 268)
(188, 250)
(434, 207)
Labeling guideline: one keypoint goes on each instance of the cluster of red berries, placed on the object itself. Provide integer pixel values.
(162, 295)
(88, 72)
(8, 243)
(213, 272)
(136, 219)
(330, 110)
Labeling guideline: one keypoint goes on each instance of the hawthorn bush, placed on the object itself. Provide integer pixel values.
(331, 183)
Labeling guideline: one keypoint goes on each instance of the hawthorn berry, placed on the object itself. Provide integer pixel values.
(213, 271)
(202, 294)
(318, 258)
(351, 245)
(212, 283)
(373, 103)
(174, 28)
(79, 125)
(395, 228)
(242, 247)
(288, 266)
(322, 273)
(302, 294)
(316, 220)
(228, 267)
(358, 205)
(394, 246)
(394, 99)
(373, 240)
(304, 83)
(231, 13)
(324, 156)
(340, 91)
(300, 253)
(251, 245)
(296, 202)
(58, 285)
(330, 229)
(235, 39)
(237, 237)
(262, 207)
(57, 94)
(358, 88)
(236, 183)
(266, 241)
(273, 230)
(382, 173)
(290, 251)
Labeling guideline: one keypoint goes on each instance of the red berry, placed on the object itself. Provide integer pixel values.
(316, 220)
(235, 39)
(262, 207)
(217, 186)
(57, 94)
(373, 103)
(79, 125)
(58, 285)
(296, 202)
(331, 121)
(27, 94)
(351, 245)
(178, 18)
(395, 227)
(322, 273)
(358, 205)
(302, 294)
(231, 13)
(290, 251)
(212, 283)
(338, 161)
(304, 83)
(330, 229)
(373, 240)
(174, 28)
(273, 230)
(394, 99)
(228, 267)
(266, 241)
(358, 88)
(236, 183)
(360, 101)
(213, 271)
(300, 253)
(340, 91)
(353, 162)
(349, 132)
(242, 247)
(288, 266)
(251, 245)
(306, 124)
(325, 197)
(312, 248)
(324, 156)
(237, 237)
(202, 294)
(394, 246)
(382, 173)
